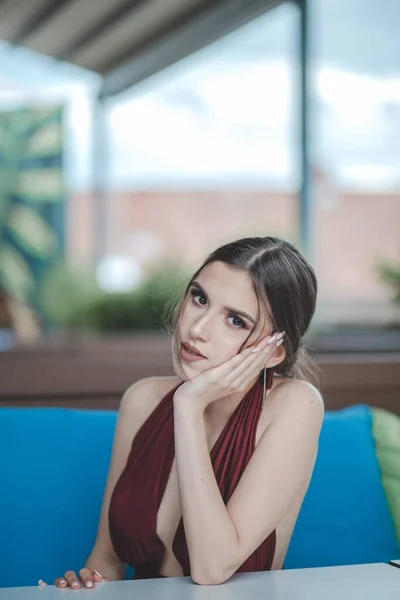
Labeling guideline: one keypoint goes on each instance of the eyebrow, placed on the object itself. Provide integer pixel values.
(227, 308)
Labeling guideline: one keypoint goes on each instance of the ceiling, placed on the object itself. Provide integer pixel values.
(125, 41)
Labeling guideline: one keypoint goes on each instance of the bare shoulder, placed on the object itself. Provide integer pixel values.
(142, 397)
(137, 404)
(298, 399)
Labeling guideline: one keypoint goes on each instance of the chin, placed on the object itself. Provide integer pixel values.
(186, 371)
(180, 373)
(180, 370)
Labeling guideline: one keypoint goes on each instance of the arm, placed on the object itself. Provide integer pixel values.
(220, 538)
(102, 557)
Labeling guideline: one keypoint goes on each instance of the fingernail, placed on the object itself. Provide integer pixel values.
(74, 584)
(97, 573)
(255, 350)
(271, 340)
(40, 582)
(62, 581)
(280, 336)
(89, 584)
(279, 343)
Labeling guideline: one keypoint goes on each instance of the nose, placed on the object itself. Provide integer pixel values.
(201, 328)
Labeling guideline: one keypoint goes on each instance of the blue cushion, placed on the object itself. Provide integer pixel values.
(345, 518)
(53, 469)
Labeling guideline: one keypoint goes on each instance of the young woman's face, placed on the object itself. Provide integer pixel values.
(217, 317)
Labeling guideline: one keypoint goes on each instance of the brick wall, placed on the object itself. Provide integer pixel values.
(352, 231)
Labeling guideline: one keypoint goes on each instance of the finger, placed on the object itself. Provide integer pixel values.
(98, 578)
(269, 341)
(268, 351)
(245, 376)
(72, 580)
(256, 361)
(86, 576)
(245, 357)
(253, 359)
(268, 346)
(222, 371)
(42, 583)
(232, 368)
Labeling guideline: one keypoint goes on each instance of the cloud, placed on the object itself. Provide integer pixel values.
(229, 113)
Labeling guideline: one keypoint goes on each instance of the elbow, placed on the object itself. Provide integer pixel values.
(209, 577)
(215, 570)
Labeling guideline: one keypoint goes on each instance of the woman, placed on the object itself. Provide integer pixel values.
(210, 467)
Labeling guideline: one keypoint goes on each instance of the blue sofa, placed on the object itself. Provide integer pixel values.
(53, 467)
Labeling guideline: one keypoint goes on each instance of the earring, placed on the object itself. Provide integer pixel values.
(264, 385)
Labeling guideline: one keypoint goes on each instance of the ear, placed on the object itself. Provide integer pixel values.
(278, 356)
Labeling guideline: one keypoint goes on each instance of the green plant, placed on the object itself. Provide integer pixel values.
(67, 291)
(31, 195)
(73, 299)
(390, 275)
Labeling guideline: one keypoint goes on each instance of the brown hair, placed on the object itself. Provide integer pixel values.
(286, 287)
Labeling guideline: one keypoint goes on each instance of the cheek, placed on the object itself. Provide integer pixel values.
(224, 343)
(226, 347)
(178, 370)
(186, 317)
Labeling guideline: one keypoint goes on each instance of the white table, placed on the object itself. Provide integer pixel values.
(358, 582)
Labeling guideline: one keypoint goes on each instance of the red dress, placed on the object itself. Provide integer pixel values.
(138, 493)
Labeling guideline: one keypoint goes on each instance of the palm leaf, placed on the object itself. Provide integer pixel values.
(31, 141)
(31, 232)
(20, 122)
(15, 275)
(46, 113)
(40, 185)
(4, 197)
(47, 140)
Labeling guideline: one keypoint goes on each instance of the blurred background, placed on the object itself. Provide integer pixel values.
(137, 135)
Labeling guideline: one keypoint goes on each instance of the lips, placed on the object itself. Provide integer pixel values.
(192, 349)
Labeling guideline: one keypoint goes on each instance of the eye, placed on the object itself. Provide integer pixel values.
(200, 300)
(196, 294)
(240, 324)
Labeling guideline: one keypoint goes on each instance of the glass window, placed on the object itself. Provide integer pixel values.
(356, 156)
(205, 151)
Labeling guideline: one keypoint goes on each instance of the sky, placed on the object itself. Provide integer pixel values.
(228, 115)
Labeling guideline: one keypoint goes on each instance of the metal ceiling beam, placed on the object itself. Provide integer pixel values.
(100, 156)
(109, 20)
(38, 20)
(306, 219)
(163, 30)
(215, 20)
